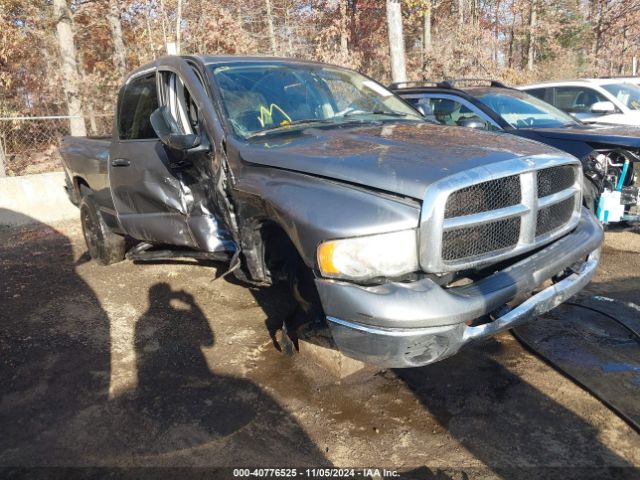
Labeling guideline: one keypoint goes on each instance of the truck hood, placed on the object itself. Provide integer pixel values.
(619, 135)
(401, 158)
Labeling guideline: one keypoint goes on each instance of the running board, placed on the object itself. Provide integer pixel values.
(143, 252)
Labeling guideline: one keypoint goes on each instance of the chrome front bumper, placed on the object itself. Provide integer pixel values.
(397, 340)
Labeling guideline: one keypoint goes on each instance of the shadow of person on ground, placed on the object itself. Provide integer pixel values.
(180, 403)
(55, 374)
(508, 424)
(54, 343)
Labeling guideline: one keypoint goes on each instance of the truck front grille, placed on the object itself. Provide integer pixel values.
(480, 240)
(484, 196)
(555, 179)
(554, 216)
(530, 203)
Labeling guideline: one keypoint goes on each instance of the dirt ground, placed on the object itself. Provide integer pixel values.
(157, 365)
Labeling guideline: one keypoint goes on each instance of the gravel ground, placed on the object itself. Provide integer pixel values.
(156, 365)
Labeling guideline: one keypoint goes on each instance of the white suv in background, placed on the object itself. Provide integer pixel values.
(603, 100)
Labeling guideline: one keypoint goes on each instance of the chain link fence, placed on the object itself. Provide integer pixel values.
(30, 145)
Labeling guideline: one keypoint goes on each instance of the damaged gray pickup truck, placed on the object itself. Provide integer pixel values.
(408, 240)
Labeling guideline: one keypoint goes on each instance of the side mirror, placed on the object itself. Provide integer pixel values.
(167, 130)
(422, 110)
(603, 108)
(473, 123)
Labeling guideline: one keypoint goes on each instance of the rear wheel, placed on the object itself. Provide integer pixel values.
(104, 246)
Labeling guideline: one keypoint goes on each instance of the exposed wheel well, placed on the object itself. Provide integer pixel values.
(285, 267)
(81, 186)
(279, 254)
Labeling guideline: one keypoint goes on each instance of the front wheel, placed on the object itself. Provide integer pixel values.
(104, 246)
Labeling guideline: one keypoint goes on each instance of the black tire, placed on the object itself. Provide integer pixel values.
(104, 246)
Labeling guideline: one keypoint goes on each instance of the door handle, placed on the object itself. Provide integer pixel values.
(120, 162)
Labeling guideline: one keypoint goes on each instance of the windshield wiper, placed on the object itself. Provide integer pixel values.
(389, 113)
(295, 123)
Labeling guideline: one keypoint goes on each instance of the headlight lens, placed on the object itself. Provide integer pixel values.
(364, 258)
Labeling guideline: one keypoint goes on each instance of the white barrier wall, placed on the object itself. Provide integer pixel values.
(34, 198)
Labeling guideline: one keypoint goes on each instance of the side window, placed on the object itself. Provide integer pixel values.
(346, 96)
(451, 112)
(177, 98)
(540, 93)
(423, 105)
(576, 99)
(137, 103)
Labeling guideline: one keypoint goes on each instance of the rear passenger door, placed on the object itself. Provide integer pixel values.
(148, 195)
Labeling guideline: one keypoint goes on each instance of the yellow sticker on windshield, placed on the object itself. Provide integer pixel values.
(266, 115)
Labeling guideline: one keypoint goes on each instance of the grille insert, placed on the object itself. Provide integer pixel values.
(481, 239)
(522, 204)
(555, 179)
(485, 196)
(554, 216)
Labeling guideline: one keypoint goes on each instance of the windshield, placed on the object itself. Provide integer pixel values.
(267, 97)
(521, 111)
(626, 93)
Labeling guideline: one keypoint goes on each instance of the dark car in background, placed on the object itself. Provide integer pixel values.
(610, 155)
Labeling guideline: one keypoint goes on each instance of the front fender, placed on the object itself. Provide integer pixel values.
(312, 209)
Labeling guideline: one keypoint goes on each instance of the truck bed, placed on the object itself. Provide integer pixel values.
(85, 163)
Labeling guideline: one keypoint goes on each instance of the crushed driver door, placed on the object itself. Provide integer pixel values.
(161, 195)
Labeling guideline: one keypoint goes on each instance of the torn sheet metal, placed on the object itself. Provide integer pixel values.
(594, 341)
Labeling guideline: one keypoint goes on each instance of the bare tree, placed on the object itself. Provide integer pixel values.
(178, 26)
(426, 30)
(344, 44)
(3, 161)
(531, 43)
(272, 32)
(70, 76)
(119, 52)
(396, 41)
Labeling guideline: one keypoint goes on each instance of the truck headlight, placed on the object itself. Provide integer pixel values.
(363, 258)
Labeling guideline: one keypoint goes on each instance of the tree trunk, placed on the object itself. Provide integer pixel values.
(149, 36)
(396, 41)
(531, 44)
(70, 77)
(625, 46)
(496, 33)
(86, 100)
(596, 17)
(344, 41)
(3, 161)
(426, 32)
(271, 29)
(511, 40)
(165, 23)
(288, 32)
(119, 52)
(178, 26)
(461, 12)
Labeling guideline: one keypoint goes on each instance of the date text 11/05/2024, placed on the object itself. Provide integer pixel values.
(372, 473)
